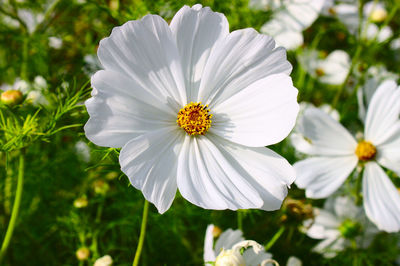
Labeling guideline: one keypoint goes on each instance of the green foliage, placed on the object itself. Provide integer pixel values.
(50, 229)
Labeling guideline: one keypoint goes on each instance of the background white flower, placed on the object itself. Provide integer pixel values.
(243, 82)
(337, 224)
(225, 242)
(330, 70)
(336, 154)
(290, 20)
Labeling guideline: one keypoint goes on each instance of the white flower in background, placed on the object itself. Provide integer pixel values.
(104, 261)
(330, 70)
(37, 98)
(294, 261)
(336, 154)
(193, 107)
(31, 18)
(290, 20)
(9, 22)
(225, 249)
(374, 77)
(339, 222)
(92, 64)
(19, 84)
(373, 13)
(301, 143)
(395, 44)
(55, 42)
(265, 5)
(83, 150)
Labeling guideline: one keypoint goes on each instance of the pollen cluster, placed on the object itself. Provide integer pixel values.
(194, 118)
(365, 151)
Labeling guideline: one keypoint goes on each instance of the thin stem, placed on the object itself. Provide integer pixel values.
(17, 203)
(240, 219)
(142, 233)
(274, 238)
(24, 64)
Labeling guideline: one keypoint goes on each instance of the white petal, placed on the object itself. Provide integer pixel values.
(336, 67)
(237, 61)
(121, 109)
(321, 176)
(196, 30)
(381, 198)
(388, 153)
(265, 170)
(283, 34)
(146, 51)
(207, 178)
(345, 208)
(208, 252)
(262, 114)
(330, 246)
(227, 240)
(150, 162)
(327, 136)
(254, 259)
(294, 261)
(383, 113)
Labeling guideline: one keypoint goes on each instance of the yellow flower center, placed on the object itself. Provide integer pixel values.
(194, 118)
(378, 15)
(319, 72)
(365, 151)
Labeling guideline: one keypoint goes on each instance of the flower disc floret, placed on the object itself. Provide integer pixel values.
(365, 151)
(194, 118)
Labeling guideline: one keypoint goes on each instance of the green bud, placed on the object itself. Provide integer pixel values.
(12, 97)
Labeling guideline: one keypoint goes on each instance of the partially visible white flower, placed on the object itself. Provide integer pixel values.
(19, 84)
(372, 31)
(10, 22)
(265, 5)
(39, 83)
(92, 64)
(339, 222)
(336, 154)
(374, 76)
(290, 20)
(395, 44)
(104, 261)
(375, 11)
(331, 70)
(227, 246)
(31, 18)
(297, 138)
(83, 150)
(37, 98)
(55, 42)
(294, 261)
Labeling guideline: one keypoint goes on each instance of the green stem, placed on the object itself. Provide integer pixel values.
(240, 219)
(17, 203)
(24, 63)
(142, 233)
(274, 238)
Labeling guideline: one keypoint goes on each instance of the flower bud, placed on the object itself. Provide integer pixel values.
(82, 253)
(104, 261)
(100, 187)
(81, 202)
(230, 258)
(378, 15)
(12, 97)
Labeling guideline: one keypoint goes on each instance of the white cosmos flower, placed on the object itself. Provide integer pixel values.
(265, 5)
(154, 98)
(336, 154)
(330, 70)
(301, 143)
(373, 13)
(336, 224)
(224, 249)
(290, 20)
(104, 261)
(374, 76)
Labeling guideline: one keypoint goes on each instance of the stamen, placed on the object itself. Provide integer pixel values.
(365, 151)
(194, 118)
